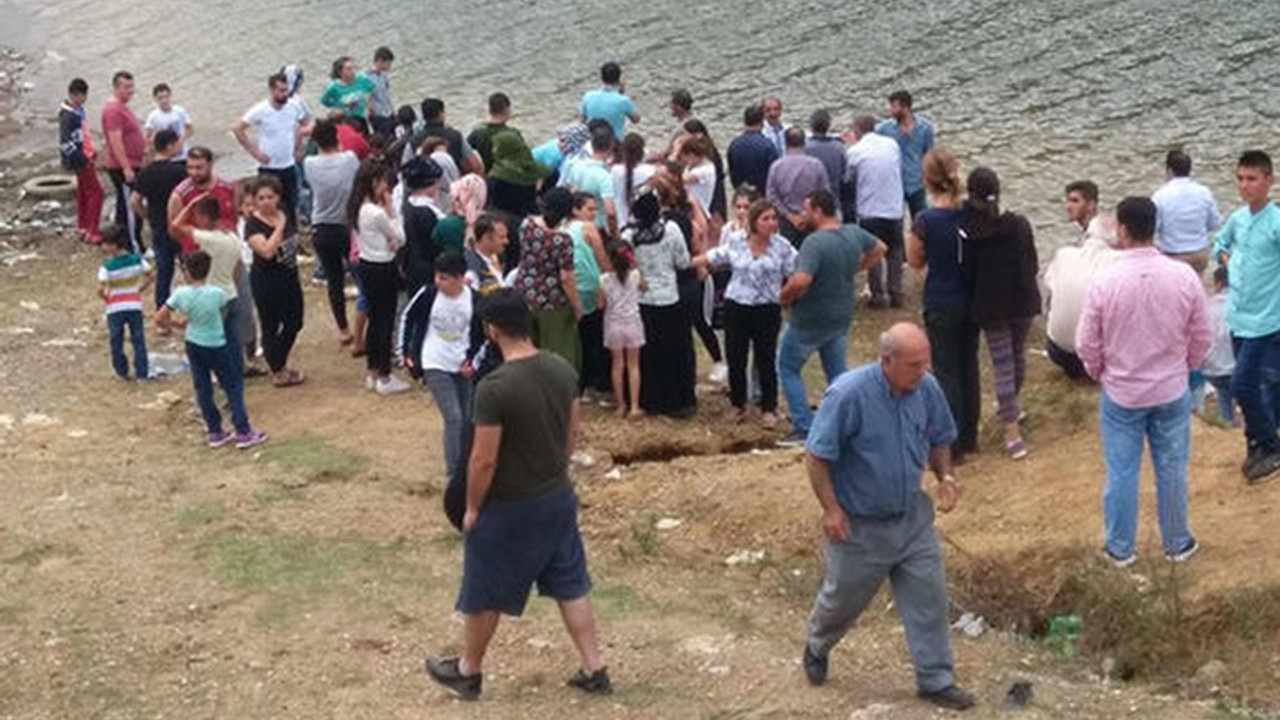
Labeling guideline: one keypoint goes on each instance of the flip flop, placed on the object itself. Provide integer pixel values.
(295, 377)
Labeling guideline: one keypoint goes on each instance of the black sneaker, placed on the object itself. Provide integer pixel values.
(597, 683)
(1263, 468)
(949, 697)
(445, 670)
(796, 438)
(815, 668)
(1185, 554)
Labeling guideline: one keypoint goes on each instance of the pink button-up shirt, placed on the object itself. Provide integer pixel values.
(1143, 328)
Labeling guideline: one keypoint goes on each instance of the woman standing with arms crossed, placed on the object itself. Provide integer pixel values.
(277, 294)
(934, 243)
(1000, 268)
(372, 213)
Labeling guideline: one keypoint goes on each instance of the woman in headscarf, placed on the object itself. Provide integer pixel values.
(667, 364)
(513, 185)
(566, 145)
(546, 277)
(1000, 268)
(467, 199)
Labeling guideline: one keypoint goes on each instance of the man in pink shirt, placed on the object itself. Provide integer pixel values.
(1143, 328)
(125, 147)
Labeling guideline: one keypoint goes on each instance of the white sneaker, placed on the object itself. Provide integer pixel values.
(391, 385)
(719, 373)
(370, 382)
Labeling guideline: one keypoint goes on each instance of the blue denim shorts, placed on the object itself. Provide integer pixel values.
(517, 545)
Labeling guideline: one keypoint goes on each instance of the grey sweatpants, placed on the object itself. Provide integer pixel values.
(906, 551)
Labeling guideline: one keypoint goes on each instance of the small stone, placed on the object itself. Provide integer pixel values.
(668, 523)
(1212, 672)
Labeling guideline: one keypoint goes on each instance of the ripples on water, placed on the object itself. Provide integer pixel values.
(1044, 91)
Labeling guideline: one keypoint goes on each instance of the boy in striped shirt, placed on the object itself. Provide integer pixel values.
(122, 279)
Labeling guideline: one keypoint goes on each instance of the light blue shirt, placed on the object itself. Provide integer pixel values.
(609, 104)
(1185, 215)
(202, 304)
(591, 176)
(877, 443)
(913, 146)
(1253, 242)
(548, 153)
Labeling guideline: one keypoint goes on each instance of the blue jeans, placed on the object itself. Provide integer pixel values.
(1222, 385)
(207, 362)
(116, 323)
(166, 249)
(793, 353)
(1167, 428)
(1254, 387)
(452, 394)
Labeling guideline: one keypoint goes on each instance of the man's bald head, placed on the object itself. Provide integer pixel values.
(904, 356)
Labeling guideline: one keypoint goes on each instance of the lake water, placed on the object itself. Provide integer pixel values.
(1044, 91)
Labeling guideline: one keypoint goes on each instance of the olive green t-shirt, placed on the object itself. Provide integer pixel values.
(531, 399)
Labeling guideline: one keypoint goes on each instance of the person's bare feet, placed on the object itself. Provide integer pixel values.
(346, 338)
(636, 414)
(621, 412)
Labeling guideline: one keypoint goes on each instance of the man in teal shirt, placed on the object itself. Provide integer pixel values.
(610, 102)
(591, 175)
(1249, 245)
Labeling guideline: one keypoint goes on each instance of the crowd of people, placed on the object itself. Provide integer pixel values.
(478, 257)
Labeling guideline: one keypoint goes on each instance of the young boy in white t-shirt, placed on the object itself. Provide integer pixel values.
(167, 116)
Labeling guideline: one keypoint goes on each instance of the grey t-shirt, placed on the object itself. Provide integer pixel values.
(831, 258)
(531, 400)
(330, 178)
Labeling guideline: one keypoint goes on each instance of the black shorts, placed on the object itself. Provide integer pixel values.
(517, 545)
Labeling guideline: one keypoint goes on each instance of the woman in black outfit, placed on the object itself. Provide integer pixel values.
(277, 294)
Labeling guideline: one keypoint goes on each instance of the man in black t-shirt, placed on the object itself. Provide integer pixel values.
(433, 125)
(521, 522)
(150, 199)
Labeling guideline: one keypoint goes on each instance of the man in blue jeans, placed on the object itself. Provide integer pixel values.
(820, 297)
(1249, 245)
(1143, 328)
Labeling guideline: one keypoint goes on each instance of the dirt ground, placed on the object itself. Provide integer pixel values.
(144, 575)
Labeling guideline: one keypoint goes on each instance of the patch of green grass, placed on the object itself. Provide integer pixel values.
(256, 561)
(34, 553)
(619, 600)
(321, 461)
(644, 537)
(11, 614)
(205, 513)
(272, 494)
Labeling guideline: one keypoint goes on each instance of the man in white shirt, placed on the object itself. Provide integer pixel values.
(774, 129)
(276, 123)
(873, 177)
(167, 116)
(1186, 213)
(1067, 277)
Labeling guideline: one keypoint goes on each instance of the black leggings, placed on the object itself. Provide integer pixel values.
(691, 300)
(331, 243)
(380, 287)
(278, 297)
(753, 327)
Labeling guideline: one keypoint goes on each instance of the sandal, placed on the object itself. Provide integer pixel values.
(1016, 449)
(291, 378)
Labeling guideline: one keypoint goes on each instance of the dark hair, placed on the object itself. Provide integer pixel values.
(277, 79)
(581, 198)
(78, 87)
(1257, 160)
(336, 71)
(984, 192)
(383, 54)
(1087, 189)
(557, 205)
(325, 133)
(209, 207)
(610, 73)
(198, 264)
(748, 191)
(620, 258)
(200, 152)
(758, 208)
(753, 115)
(822, 201)
(902, 97)
(368, 175)
(269, 182)
(406, 115)
(431, 143)
(697, 127)
(602, 139)
(794, 137)
(682, 99)
(1220, 276)
(113, 235)
(864, 124)
(698, 145)
(820, 121)
(1178, 163)
(506, 310)
(451, 263)
(432, 109)
(632, 155)
(485, 222)
(164, 139)
(161, 87)
(1138, 216)
(119, 76)
(499, 103)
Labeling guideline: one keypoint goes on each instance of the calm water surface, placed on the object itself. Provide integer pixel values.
(1044, 91)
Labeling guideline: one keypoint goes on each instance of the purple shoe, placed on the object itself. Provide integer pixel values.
(244, 441)
(218, 439)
